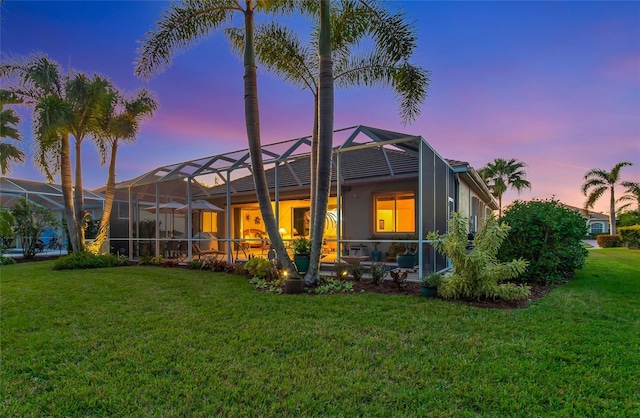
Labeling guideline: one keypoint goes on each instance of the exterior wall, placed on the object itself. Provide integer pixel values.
(358, 206)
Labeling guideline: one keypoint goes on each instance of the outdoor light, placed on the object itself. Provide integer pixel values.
(285, 273)
(282, 231)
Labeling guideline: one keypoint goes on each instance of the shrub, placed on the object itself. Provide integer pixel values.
(356, 271)
(328, 285)
(477, 273)
(431, 280)
(6, 260)
(378, 272)
(86, 260)
(261, 268)
(630, 236)
(609, 241)
(548, 236)
(195, 264)
(399, 277)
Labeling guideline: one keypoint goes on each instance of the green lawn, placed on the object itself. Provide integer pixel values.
(150, 341)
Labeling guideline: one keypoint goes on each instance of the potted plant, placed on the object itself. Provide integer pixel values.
(407, 260)
(376, 255)
(429, 285)
(301, 253)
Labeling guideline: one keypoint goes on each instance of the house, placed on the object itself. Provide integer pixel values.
(597, 223)
(386, 187)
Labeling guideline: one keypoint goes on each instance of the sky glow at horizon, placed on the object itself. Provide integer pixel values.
(553, 84)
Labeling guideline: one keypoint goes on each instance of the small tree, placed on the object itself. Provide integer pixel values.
(548, 236)
(478, 273)
(30, 222)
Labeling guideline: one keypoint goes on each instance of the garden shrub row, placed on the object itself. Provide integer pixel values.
(87, 260)
(630, 236)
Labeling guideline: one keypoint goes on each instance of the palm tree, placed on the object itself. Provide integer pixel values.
(39, 84)
(84, 95)
(282, 52)
(179, 27)
(501, 175)
(9, 120)
(631, 196)
(599, 181)
(63, 106)
(119, 120)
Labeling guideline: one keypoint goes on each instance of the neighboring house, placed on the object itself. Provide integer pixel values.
(392, 186)
(597, 223)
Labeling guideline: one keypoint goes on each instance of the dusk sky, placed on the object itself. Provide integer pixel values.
(553, 84)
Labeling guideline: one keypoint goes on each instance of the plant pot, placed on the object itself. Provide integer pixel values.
(406, 261)
(376, 255)
(428, 292)
(293, 286)
(302, 262)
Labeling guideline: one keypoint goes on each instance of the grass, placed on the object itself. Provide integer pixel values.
(150, 341)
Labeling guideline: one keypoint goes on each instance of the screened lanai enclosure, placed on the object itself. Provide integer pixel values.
(388, 189)
(46, 195)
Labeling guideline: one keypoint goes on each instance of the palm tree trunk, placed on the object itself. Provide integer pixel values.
(612, 212)
(325, 140)
(79, 198)
(499, 206)
(66, 181)
(314, 162)
(252, 120)
(110, 192)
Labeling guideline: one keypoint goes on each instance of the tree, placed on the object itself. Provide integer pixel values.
(597, 182)
(631, 196)
(501, 174)
(119, 120)
(30, 222)
(351, 24)
(179, 27)
(39, 84)
(9, 120)
(64, 105)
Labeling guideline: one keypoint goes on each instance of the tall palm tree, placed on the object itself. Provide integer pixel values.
(85, 95)
(501, 174)
(119, 120)
(597, 182)
(352, 23)
(39, 84)
(9, 119)
(64, 106)
(187, 22)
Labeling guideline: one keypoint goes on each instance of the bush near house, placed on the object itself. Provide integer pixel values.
(548, 236)
(630, 236)
(478, 274)
(87, 260)
(609, 241)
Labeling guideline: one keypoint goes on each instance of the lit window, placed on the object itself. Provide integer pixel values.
(395, 213)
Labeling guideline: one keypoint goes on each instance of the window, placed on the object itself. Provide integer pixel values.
(596, 228)
(395, 212)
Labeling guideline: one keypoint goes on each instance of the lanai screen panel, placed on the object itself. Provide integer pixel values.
(429, 197)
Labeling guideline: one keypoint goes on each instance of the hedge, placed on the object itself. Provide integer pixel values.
(609, 241)
(630, 236)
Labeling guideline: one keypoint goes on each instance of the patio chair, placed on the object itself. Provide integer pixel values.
(196, 251)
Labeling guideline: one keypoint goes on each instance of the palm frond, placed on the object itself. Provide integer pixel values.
(180, 27)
